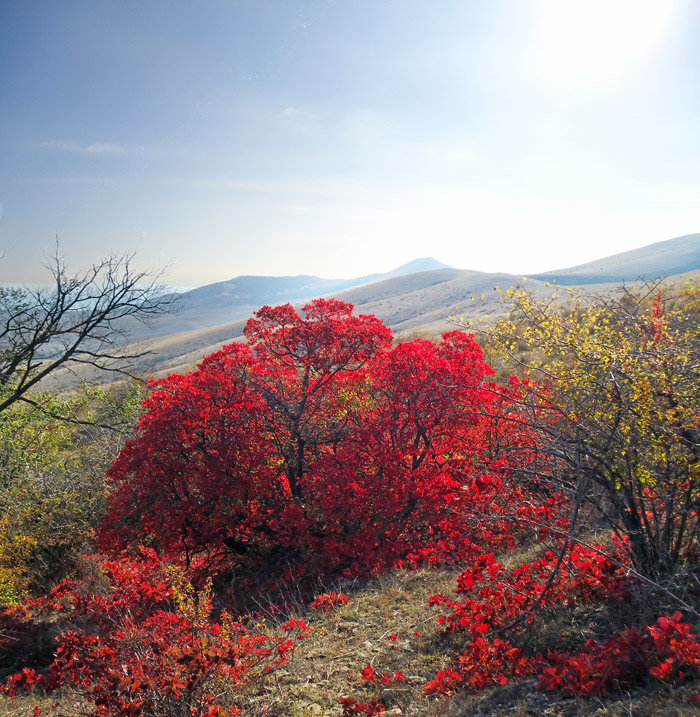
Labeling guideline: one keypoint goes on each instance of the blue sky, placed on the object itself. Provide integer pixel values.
(338, 138)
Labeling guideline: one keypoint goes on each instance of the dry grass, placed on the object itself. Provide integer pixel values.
(61, 706)
(327, 665)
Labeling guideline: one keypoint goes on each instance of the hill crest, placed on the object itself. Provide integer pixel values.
(654, 261)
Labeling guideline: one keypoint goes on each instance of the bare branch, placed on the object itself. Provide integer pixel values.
(81, 319)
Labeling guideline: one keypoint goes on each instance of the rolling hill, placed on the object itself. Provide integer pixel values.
(418, 297)
(655, 261)
(238, 298)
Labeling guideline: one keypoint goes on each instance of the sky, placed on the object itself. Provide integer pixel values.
(344, 137)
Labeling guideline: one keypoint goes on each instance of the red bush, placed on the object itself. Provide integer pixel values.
(321, 439)
(147, 647)
(484, 663)
(667, 650)
(329, 601)
(497, 597)
(600, 668)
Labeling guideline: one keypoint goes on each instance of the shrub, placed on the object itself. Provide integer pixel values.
(667, 650)
(319, 439)
(616, 411)
(147, 646)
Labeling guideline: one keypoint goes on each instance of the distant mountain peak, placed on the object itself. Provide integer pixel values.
(426, 263)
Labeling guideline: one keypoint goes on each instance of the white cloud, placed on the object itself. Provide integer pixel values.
(93, 148)
(104, 148)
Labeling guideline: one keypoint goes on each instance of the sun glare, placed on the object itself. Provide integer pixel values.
(584, 41)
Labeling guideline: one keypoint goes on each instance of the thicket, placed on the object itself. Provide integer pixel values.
(320, 443)
(54, 450)
(53, 492)
(317, 450)
(613, 402)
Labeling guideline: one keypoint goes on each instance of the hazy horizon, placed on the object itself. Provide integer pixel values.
(335, 139)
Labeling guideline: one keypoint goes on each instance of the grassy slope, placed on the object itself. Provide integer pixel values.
(327, 665)
(415, 303)
(664, 258)
(236, 299)
(425, 304)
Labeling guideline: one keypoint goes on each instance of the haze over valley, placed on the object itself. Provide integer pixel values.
(423, 297)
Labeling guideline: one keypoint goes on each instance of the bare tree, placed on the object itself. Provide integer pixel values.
(81, 320)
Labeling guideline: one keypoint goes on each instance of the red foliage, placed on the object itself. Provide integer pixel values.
(197, 474)
(320, 444)
(483, 664)
(668, 650)
(599, 668)
(677, 648)
(114, 587)
(352, 707)
(369, 674)
(329, 601)
(135, 653)
(321, 438)
(497, 597)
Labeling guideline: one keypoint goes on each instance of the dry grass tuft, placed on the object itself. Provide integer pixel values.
(327, 665)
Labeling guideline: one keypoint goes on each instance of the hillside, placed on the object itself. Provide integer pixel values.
(375, 576)
(421, 297)
(418, 294)
(424, 303)
(655, 261)
(407, 297)
(389, 623)
(237, 298)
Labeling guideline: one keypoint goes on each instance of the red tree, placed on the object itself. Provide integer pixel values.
(318, 436)
(301, 364)
(400, 484)
(196, 476)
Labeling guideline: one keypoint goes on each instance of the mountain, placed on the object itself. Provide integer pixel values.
(405, 305)
(414, 267)
(424, 301)
(238, 298)
(259, 290)
(418, 297)
(655, 261)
